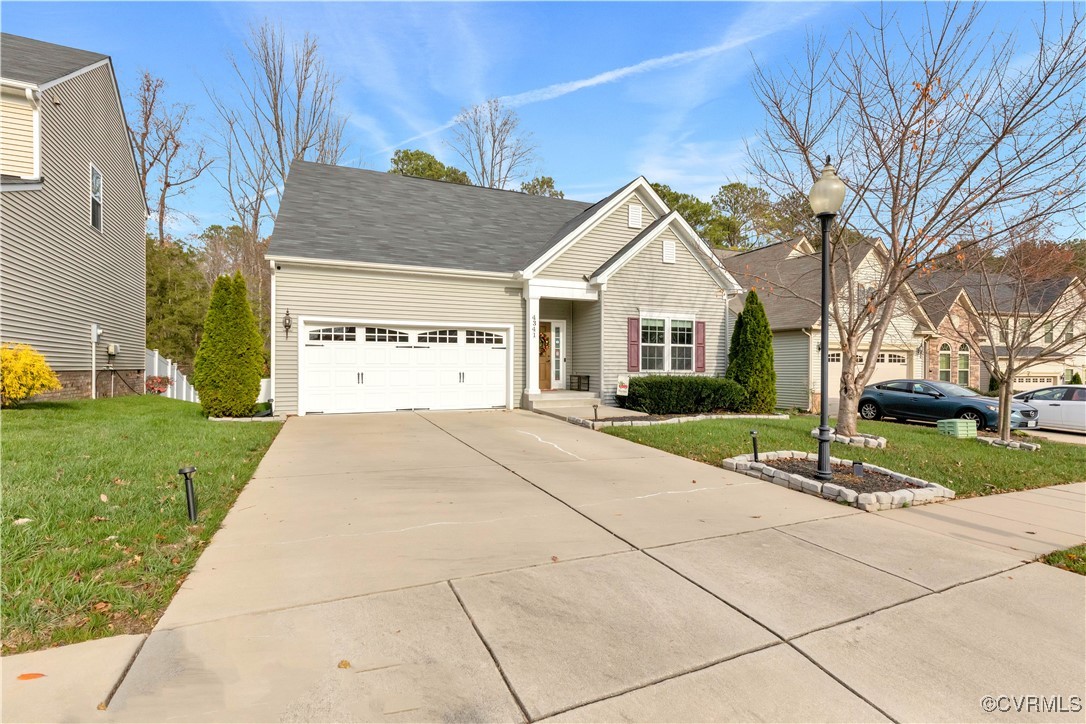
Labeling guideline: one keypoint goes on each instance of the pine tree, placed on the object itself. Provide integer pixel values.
(751, 357)
(229, 361)
(1076, 379)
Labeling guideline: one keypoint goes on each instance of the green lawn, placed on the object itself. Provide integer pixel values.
(108, 540)
(1072, 559)
(965, 466)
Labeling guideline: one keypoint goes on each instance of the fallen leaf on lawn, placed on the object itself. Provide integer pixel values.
(118, 481)
(20, 521)
(109, 537)
(28, 677)
(554, 559)
(77, 576)
(100, 519)
(104, 498)
(344, 664)
(175, 560)
(102, 606)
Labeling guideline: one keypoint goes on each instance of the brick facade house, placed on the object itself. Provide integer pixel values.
(947, 355)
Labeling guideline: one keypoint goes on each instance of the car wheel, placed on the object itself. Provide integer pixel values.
(975, 417)
(870, 410)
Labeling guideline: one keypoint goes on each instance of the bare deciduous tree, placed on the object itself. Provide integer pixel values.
(283, 109)
(487, 136)
(167, 161)
(941, 142)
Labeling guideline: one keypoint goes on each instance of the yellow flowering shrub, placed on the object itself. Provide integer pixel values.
(23, 373)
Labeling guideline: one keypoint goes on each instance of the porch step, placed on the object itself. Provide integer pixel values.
(561, 398)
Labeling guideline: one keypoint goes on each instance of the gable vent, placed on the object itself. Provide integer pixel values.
(669, 251)
(634, 216)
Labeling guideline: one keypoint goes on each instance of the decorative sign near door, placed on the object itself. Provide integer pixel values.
(623, 388)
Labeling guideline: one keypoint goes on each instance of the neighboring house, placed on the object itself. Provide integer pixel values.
(72, 217)
(788, 278)
(994, 307)
(949, 354)
(405, 293)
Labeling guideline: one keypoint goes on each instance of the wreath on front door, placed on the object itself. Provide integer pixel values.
(544, 343)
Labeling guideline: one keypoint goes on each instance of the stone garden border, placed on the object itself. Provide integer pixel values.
(858, 440)
(600, 424)
(1010, 444)
(926, 492)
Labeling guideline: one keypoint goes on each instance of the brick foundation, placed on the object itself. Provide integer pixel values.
(77, 384)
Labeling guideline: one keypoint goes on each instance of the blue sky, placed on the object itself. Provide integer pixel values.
(609, 90)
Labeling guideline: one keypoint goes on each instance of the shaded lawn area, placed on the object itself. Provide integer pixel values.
(1072, 559)
(108, 540)
(965, 466)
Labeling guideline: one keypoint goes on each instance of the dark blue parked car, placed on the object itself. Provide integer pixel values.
(927, 400)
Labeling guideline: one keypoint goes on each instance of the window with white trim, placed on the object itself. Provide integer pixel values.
(944, 362)
(963, 365)
(653, 335)
(682, 345)
(667, 344)
(1050, 333)
(95, 198)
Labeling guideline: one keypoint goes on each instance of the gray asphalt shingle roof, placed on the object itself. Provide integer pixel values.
(349, 214)
(38, 62)
(989, 292)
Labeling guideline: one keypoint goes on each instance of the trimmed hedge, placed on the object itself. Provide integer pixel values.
(678, 395)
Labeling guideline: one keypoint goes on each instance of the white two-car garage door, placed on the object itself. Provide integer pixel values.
(888, 366)
(360, 368)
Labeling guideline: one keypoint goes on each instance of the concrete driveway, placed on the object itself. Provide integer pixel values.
(503, 566)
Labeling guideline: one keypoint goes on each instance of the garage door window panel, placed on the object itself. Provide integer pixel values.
(333, 334)
(381, 334)
(439, 336)
(474, 336)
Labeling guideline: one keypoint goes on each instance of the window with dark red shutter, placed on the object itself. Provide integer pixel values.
(633, 344)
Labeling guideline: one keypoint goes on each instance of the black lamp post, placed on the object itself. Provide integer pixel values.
(826, 197)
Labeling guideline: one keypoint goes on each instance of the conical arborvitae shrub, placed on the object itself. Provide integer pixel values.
(751, 359)
(1076, 379)
(229, 361)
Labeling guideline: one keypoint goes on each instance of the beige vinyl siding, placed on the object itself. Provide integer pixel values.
(792, 363)
(313, 292)
(600, 243)
(586, 342)
(59, 275)
(16, 134)
(646, 283)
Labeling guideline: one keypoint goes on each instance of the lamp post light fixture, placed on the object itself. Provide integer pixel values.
(826, 197)
(754, 441)
(190, 491)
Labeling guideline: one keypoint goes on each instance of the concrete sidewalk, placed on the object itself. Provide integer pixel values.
(503, 566)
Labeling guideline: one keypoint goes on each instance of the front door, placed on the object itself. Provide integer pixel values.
(546, 347)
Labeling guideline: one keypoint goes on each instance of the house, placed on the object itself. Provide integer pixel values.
(788, 278)
(949, 354)
(72, 218)
(391, 292)
(994, 307)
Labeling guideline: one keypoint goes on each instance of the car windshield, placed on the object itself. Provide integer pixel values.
(956, 390)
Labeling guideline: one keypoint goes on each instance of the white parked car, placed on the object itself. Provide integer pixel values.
(1062, 407)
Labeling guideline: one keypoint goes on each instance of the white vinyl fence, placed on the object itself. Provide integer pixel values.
(159, 366)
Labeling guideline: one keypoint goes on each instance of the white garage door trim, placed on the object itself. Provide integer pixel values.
(304, 322)
(884, 370)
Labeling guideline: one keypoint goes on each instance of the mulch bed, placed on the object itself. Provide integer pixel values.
(871, 482)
